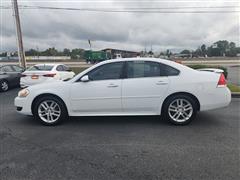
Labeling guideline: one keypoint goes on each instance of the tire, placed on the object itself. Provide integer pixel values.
(180, 109)
(4, 86)
(50, 111)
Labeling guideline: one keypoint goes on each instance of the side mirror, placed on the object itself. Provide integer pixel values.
(85, 78)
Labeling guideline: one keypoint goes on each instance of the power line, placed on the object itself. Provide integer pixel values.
(138, 9)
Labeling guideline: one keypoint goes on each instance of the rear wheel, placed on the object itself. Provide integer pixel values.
(180, 109)
(4, 86)
(50, 110)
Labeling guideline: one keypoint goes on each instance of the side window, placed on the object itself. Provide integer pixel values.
(168, 70)
(7, 69)
(60, 68)
(17, 68)
(65, 68)
(106, 71)
(137, 69)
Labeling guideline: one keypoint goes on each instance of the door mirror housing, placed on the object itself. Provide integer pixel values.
(85, 78)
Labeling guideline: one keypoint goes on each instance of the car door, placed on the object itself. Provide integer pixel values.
(10, 74)
(101, 94)
(17, 71)
(143, 89)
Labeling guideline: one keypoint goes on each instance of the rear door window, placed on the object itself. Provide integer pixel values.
(40, 68)
(7, 69)
(138, 69)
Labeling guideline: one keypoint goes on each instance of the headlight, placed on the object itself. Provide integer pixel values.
(23, 93)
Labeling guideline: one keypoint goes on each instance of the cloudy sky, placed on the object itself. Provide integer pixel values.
(133, 31)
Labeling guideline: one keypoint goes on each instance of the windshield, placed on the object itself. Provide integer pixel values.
(40, 68)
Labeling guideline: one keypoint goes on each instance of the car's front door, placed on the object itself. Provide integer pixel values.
(143, 89)
(101, 94)
(10, 74)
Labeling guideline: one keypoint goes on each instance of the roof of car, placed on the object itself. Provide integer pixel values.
(165, 61)
(47, 64)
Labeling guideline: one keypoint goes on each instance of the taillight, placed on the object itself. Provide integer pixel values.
(49, 75)
(222, 81)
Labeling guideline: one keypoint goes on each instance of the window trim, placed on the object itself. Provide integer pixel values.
(126, 75)
(121, 72)
(10, 66)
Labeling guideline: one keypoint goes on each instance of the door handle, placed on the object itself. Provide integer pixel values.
(112, 85)
(161, 83)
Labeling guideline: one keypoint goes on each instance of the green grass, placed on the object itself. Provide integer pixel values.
(78, 69)
(233, 88)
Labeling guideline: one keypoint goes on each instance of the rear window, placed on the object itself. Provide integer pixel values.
(40, 68)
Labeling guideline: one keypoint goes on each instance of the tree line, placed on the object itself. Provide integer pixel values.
(219, 48)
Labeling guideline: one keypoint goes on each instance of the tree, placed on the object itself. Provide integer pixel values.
(3, 54)
(77, 53)
(66, 52)
(31, 52)
(185, 52)
(203, 50)
(50, 52)
(232, 45)
(168, 53)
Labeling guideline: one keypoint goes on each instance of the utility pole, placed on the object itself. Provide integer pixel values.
(21, 54)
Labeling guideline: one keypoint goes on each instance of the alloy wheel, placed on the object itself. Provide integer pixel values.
(49, 111)
(4, 86)
(180, 110)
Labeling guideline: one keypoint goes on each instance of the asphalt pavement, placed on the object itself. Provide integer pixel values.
(114, 148)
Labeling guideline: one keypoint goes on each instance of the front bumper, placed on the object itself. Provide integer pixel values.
(23, 106)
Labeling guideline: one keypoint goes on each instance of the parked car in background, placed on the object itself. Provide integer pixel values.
(42, 73)
(134, 86)
(9, 76)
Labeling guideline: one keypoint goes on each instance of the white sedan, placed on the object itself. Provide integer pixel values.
(42, 73)
(135, 86)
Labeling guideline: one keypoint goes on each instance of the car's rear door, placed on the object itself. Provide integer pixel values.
(17, 73)
(143, 89)
(100, 95)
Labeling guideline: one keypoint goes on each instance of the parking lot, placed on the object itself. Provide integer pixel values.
(101, 148)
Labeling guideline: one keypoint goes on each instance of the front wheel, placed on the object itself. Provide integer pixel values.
(50, 110)
(180, 109)
(4, 86)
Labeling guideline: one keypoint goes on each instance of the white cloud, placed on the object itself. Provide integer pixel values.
(72, 29)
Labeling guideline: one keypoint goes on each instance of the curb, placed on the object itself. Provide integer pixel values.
(235, 94)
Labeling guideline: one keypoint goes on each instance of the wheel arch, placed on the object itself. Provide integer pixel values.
(47, 94)
(181, 93)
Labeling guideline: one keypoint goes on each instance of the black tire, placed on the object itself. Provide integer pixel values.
(61, 105)
(168, 115)
(4, 86)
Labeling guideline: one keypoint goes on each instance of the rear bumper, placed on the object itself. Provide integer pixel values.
(23, 106)
(25, 83)
(219, 99)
